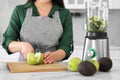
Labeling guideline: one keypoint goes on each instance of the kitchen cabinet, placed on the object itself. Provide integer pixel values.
(80, 4)
(114, 4)
(75, 4)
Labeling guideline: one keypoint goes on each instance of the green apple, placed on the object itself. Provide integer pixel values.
(35, 58)
(96, 64)
(73, 64)
(31, 59)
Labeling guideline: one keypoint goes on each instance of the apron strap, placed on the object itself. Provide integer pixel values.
(29, 12)
(28, 16)
(56, 16)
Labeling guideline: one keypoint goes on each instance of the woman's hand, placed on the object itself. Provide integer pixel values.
(23, 47)
(26, 48)
(50, 57)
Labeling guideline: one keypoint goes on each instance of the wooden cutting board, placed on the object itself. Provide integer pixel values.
(16, 67)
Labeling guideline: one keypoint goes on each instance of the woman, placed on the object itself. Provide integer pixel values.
(40, 25)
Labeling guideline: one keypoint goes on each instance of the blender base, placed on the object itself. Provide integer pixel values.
(95, 48)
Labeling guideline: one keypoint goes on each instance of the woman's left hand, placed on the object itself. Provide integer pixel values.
(49, 57)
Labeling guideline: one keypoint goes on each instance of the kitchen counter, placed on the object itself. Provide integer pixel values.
(113, 74)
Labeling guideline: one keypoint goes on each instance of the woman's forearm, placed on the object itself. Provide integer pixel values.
(60, 54)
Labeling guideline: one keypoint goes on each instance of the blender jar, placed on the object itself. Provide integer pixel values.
(97, 16)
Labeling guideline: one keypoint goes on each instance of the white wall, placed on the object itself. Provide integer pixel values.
(6, 8)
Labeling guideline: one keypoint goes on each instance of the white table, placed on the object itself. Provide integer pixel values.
(113, 74)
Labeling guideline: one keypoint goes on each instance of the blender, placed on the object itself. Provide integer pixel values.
(96, 44)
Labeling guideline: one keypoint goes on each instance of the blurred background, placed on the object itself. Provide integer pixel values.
(77, 9)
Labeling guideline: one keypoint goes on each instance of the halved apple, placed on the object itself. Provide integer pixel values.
(35, 58)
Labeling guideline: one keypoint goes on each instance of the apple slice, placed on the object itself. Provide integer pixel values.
(39, 57)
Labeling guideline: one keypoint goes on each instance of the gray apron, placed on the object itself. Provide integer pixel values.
(42, 32)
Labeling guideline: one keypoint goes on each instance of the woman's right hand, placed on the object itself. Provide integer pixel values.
(23, 47)
(26, 48)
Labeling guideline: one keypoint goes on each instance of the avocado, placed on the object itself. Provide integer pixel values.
(86, 68)
(105, 64)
